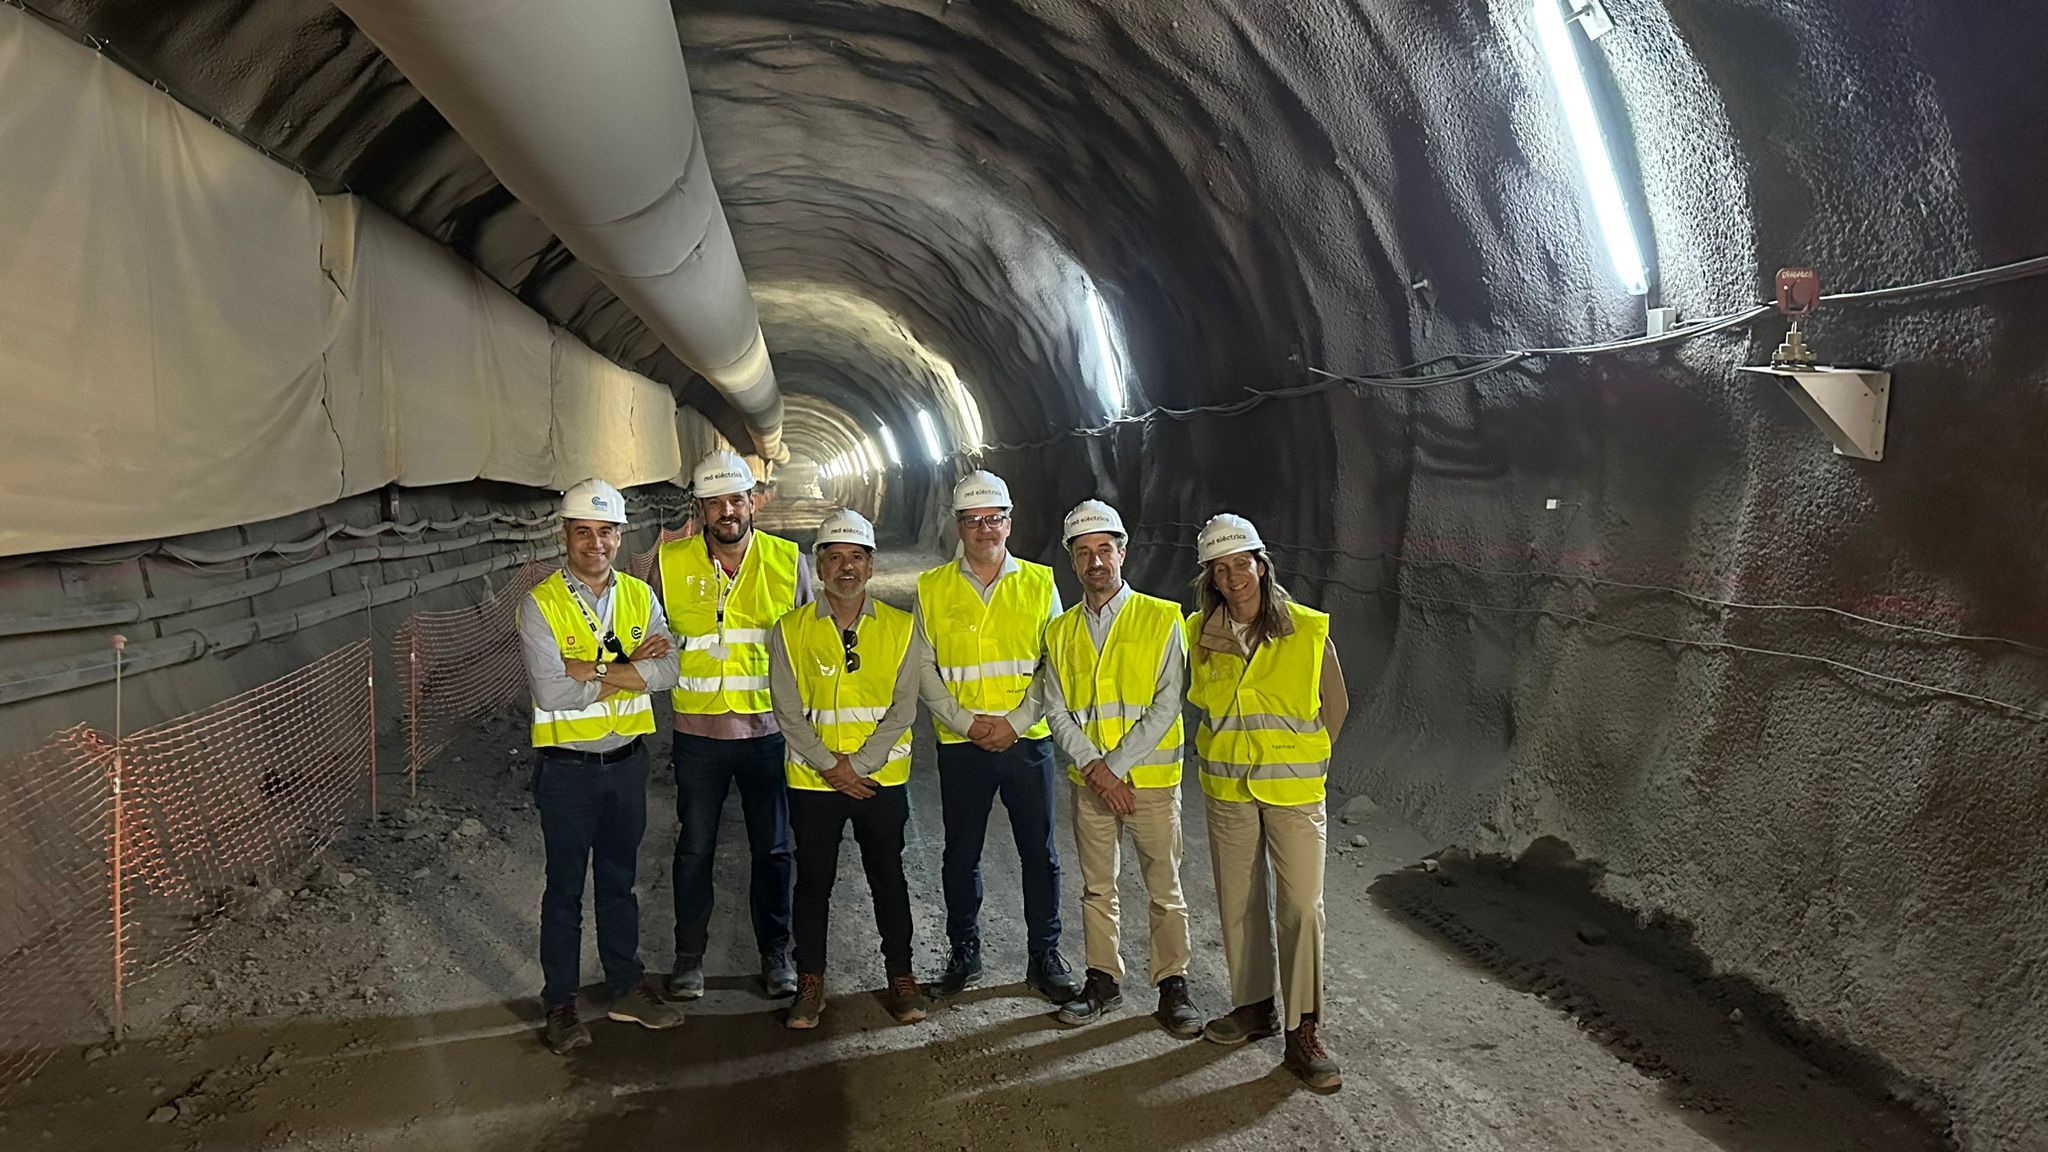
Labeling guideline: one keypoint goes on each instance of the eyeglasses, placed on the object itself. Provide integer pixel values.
(976, 522)
(849, 638)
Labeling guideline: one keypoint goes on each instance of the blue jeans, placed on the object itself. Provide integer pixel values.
(969, 782)
(706, 769)
(592, 816)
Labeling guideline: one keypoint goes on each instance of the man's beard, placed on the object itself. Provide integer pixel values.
(720, 528)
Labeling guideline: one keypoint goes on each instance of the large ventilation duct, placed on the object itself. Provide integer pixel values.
(583, 111)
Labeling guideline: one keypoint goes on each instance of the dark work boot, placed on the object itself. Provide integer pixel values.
(1307, 1058)
(1099, 997)
(1246, 1023)
(564, 1033)
(963, 970)
(687, 981)
(1049, 974)
(1177, 1012)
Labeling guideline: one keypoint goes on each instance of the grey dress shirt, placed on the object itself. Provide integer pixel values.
(1151, 727)
(554, 691)
(803, 740)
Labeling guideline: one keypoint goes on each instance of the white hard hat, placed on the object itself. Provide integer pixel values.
(845, 526)
(1090, 516)
(981, 489)
(1226, 535)
(721, 473)
(593, 499)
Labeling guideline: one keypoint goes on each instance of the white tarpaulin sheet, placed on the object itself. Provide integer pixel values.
(162, 312)
(191, 339)
(609, 422)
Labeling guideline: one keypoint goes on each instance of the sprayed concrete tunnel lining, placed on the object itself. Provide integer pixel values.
(926, 193)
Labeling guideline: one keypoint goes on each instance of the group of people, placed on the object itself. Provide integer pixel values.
(803, 689)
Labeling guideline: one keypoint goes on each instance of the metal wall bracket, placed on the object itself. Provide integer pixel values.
(1591, 15)
(1847, 404)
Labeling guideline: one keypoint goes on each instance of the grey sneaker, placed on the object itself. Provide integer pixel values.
(563, 1032)
(1244, 1024)
(687, 981)
(1307, 1058)
(642, 1006)
(810, 1002)
(778, 975)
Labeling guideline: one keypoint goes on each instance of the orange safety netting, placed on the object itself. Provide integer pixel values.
(117, 859)
(457, 665)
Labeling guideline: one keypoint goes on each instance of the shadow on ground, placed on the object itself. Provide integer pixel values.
(1747, 1075)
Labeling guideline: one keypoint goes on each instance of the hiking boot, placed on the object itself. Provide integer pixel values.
(1307, 1058)
(1177, 1012)
(778, 975)
(810, 1002)
(963, 970)
(1050, 975)
(687, 981)
(904, 999)
(1099, 997)
(564, 1033)
(642, 1005)
(1250, 1022)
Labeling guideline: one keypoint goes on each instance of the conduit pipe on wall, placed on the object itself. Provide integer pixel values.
(583, 112)
(49, 677)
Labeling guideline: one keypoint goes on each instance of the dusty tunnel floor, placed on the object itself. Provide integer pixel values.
(388, 1002)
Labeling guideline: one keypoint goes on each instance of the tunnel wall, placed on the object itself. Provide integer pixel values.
(185, 315)
(1873, 853)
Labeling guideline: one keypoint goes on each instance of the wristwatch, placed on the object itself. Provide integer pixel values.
(601, 668)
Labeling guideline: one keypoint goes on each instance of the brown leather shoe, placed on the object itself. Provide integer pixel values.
(810, 1001)
(904, 999)
(1245, 1023)
(1307, 1058)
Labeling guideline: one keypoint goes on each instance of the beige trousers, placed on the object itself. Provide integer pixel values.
(1155, 832)
(1243, 838)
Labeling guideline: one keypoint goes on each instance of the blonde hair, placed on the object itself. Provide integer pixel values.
(1273, 601)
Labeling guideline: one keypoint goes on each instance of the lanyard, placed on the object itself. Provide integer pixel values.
(599, 628)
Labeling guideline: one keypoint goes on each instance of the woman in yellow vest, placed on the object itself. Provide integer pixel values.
(595, 645)
(845, 695)
(1263, 674)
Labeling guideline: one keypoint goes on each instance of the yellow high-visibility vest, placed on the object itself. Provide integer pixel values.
(620, 714)
(986, 653)
(721, 627)
(1109, 691)
(846, 707)
(1262, 735)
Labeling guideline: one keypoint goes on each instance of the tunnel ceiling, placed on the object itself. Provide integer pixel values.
(1255, 186)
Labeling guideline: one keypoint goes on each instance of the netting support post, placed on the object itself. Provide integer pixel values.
(114, 849)
(370, 681)
(412, 714)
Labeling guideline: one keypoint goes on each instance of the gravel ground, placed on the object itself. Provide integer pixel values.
(386, 1001)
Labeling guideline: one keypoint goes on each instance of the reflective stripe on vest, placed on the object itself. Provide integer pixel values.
(1262, 735)
(620, 714)
(1108, 692)
(846, 707)
(986, 653)
(691, 584)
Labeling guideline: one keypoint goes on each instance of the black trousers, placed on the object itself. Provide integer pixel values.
(592, 816)
(969, 782)
(819, 820)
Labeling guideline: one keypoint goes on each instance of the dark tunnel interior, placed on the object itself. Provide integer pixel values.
(1262, 257)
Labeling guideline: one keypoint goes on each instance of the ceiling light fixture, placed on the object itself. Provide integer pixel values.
(1568, 75)
(930, 435)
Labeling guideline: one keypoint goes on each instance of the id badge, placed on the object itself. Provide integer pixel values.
(720, 651)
